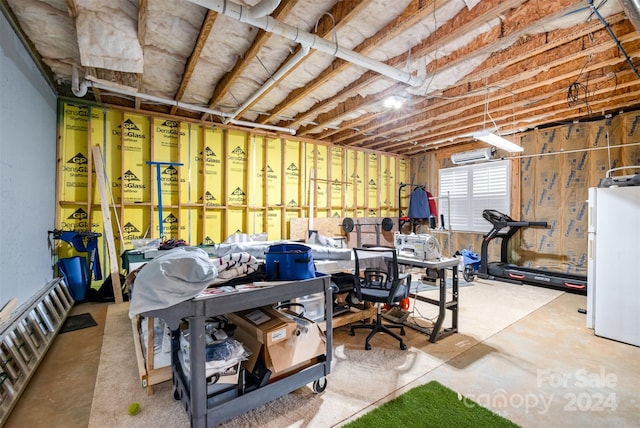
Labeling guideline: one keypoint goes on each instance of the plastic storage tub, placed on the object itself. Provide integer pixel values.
(289, 262)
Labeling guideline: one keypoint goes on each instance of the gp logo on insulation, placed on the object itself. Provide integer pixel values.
(78, 214)
(211, 200)
(209, 156)
(131, 129)
(131, 232)
(76, 165)
(292, 170)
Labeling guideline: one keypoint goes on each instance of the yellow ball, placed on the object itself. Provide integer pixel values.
(134, 409)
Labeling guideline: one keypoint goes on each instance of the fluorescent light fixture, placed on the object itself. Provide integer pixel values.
(498, 141)
(393, 102)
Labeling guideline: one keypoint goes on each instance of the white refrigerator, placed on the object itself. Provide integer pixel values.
(613, 279)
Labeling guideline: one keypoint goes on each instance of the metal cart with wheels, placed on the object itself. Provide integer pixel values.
(202, 410)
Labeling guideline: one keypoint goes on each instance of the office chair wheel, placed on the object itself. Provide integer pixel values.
(367, 347)
(403, 346)
(176, 394)
(352, 332)
(469, 273)
(319, 385)
(402, 332)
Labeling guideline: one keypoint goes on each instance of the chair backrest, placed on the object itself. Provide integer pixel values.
(377, 268)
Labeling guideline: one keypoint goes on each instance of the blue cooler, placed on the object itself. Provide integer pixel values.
(288, 262)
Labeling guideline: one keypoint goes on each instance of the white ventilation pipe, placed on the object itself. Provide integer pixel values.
(271, 25)
(78, 89)
(272, 81)
(632, 10)
(264, 8)
(186, 106)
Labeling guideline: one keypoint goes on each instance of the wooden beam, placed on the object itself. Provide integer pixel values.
(143, 14)
(415, 12)
(560, 53)
(225, 84)
(342, 12)
(482, 12)
(205, 30)
(539, 83)
(108, 228)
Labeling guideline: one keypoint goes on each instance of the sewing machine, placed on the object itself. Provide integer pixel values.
(419, 246)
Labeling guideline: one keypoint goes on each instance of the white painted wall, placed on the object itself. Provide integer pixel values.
(27, 171)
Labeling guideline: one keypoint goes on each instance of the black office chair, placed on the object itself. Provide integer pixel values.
(380, 282)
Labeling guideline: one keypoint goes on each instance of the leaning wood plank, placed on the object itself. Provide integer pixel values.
(108, 228)
(142, 369)
(7, 309)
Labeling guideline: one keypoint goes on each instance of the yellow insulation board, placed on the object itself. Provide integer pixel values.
(214, 171)
(214, 227)
(256, 222)
(136, 178)
(74, 154)
(190, 226)
(236, 220)
(237, 170)
(338, 179)
(190, 154)
(135, 224)
(170, 223)
(373, 182)
(274, 171)
(229, 181)
(258, 175)
(165, 149)
(292, 177)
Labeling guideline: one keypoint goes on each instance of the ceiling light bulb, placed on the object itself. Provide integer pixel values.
(393, 102)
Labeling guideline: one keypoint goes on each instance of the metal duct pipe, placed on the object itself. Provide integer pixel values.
(272, 81)
(632, 10)
(271, 25)
(187, 106)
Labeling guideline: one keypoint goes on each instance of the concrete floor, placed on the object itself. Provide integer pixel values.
(546, 369)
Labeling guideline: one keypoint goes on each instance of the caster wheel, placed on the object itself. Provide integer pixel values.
(320, 385)
(403, 347)
(402, 332)
(367, 347)
(469, 273)
(176, 395)
(352, 333)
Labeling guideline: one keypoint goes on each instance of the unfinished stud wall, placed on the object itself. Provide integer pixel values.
(229, 180)
(550, 180)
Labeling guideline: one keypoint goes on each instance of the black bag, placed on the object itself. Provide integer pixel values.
(105, 292)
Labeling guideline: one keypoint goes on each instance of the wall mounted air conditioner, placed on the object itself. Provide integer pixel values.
(472, 156)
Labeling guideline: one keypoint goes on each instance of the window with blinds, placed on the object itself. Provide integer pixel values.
(472, 189)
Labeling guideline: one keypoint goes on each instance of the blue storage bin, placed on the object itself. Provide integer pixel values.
(289, 262)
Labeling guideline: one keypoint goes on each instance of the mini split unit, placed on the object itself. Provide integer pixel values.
(483, 154)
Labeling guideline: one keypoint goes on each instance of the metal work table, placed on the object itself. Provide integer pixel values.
(440, 265)
(193, 394)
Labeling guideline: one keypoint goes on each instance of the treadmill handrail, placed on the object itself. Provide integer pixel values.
(527, 224)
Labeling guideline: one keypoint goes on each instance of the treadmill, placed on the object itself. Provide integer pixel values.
(509, 272)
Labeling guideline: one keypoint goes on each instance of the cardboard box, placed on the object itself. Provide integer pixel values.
(266, 324)
(281, 343)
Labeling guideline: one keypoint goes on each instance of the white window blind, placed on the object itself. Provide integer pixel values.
(472, 189)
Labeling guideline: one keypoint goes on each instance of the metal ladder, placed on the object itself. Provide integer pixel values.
(25, 338)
